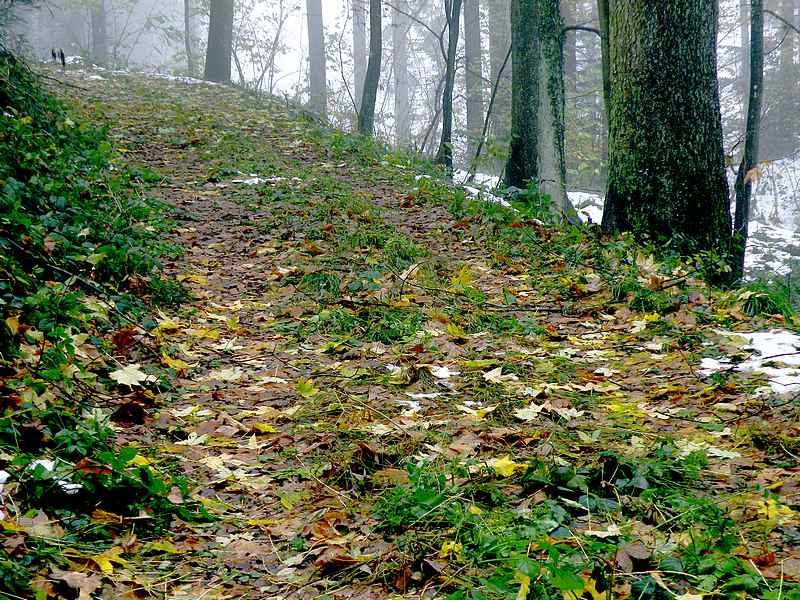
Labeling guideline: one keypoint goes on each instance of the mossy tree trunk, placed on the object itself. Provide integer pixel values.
(444, 156)
(666, 164)
(366, 116)
(220, 40)
(536, 152)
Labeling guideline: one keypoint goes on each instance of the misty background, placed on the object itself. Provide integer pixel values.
(270, 56)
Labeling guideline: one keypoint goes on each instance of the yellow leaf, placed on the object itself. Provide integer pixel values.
(139, 461)
(176, 364)
(167, 328)
(13, 324)
(463, 279)
(475, 510)
(524, 585)
(264, 428)
(456, 331)
(504, 466)
(162, 546)
(199, 279)
(451, 549)
(107, 559)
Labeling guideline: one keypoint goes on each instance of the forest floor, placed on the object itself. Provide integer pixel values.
(381, 388)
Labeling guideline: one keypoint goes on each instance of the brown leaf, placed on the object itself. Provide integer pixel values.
(85, 583)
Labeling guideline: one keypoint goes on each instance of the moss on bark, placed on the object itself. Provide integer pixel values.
(666, 162)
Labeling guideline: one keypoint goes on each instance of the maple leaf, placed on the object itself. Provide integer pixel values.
(504, 466)
(131, 375)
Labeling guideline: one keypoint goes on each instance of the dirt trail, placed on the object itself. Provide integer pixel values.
(344, 321)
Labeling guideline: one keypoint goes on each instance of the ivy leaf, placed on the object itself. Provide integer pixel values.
(305, 387)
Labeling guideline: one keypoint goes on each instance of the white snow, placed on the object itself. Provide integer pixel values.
(769, 348)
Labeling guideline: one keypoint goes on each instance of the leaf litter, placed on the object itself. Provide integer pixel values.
(377, 398)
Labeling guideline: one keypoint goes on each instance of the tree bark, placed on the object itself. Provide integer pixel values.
(744, 183)
(99, 33)
(522, 164)
(359, 50)
(666, 162)
(400, 25)
(473, 75)
(444, 156)
(317, 82)
(220, 39)
(366, 116)
(552, 170)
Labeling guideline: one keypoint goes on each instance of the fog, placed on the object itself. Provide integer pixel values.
(271, 57)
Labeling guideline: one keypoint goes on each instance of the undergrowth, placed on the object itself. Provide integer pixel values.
(79, 247)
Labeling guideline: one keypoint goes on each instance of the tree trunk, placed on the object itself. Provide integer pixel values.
(220, 39)
(605, 58)
(318, 87)
(666, 162)
(522, 165)
(552, 168)
(499, 44)
(444, 156)
(744, 184)
(188, 37)
(99, 34)
(473, 75)
(359, 50)
(400, 25)
(366, 116)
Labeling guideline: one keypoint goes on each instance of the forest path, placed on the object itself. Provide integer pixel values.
(384, 389)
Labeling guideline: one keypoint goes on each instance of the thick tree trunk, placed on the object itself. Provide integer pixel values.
(220, 39)
(99, 34)
(473, 75)
(366, 116)
(359, 50)
(522, 166)
(400, 25)
(666, 163)
(499, 44)
(189, 36)
(744, 183)
(444, 156)
(317, 82)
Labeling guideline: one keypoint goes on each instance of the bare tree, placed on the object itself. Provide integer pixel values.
(473, 75)
(318, 86)
(744, 178)
(400, 26)
(220, 40)
(366, 116)
(444, 156)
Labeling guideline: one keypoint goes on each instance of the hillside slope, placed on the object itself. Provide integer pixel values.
(383, 389)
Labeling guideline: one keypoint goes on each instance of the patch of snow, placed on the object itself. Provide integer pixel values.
(252, 180)
(48, 465)
(443, 372)
(774, 346)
